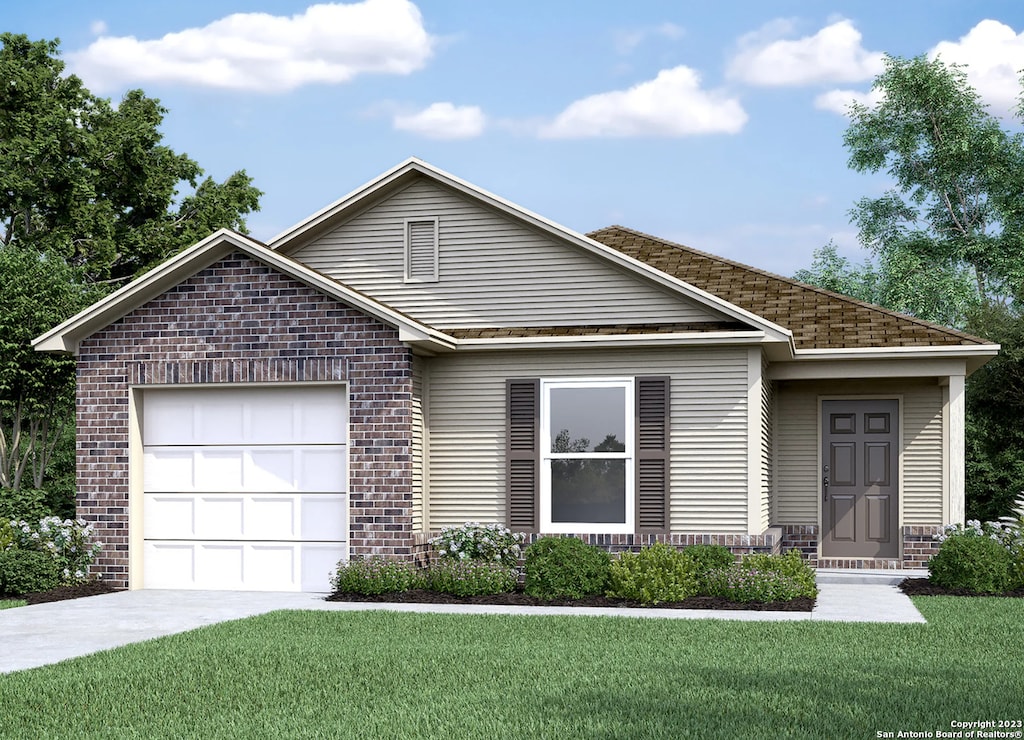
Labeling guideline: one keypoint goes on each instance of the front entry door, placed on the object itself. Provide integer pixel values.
(860, 479)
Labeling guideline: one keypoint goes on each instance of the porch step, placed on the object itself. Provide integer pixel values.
(868, 577)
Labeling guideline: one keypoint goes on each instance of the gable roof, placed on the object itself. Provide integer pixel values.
(220, 244)
(402, 174)
(819, 319)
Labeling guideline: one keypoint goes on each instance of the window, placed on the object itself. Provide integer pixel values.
(421, 250)
(587, 458)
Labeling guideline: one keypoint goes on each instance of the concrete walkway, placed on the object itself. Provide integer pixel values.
(39, 635)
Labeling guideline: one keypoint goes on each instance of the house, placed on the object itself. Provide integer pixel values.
(422, 353)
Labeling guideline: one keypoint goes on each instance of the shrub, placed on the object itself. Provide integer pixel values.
(974, 560)
(654, 575)
(375, 575)
(709, 558)
(765, 578)
(472, 541)
(67, 542)
(470, 577)
(27, 571)
(25, 503)
(565, 567)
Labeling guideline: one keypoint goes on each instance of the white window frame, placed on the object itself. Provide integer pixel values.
(546, 456)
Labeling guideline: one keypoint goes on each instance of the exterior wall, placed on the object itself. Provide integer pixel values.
(238, 321)
(708, 466)
(767, 443)
(493, 270)
(419, 483)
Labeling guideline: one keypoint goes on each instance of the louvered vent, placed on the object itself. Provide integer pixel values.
(421, 250)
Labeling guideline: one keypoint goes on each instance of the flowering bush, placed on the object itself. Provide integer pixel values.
(764, 578)
(375, 575)
(471, 577)
(68, 541)
(473, 541)
(977, 557)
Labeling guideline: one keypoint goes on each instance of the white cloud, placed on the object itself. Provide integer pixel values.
(627, 41)
(833, 54)
(443, 121)
(839, 101)
(98, 28)
(994, 55)
(329, 43)
(672, 104)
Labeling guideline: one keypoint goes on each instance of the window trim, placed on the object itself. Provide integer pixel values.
(545, 525)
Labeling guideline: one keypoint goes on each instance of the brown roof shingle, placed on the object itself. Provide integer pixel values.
(819, 319)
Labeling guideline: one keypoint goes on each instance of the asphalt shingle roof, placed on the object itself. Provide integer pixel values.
(819, 319)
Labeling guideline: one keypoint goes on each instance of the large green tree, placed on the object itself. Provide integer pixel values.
(947, 242)
(89, 198)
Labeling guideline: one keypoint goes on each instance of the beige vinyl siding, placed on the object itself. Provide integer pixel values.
(708, 473)
(797, 476)
(767, 435)
(419, 516)
(492, 270)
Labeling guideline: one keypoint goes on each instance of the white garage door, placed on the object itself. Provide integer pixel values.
(244, 488)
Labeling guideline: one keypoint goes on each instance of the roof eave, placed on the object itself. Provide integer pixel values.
(617, 341)
(975, 355)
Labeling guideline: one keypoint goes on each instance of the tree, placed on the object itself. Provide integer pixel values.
(958, 185)
(91, 183)
(89, 198)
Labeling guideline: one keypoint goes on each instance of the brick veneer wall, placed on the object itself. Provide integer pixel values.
(240, 321)
(919, 545)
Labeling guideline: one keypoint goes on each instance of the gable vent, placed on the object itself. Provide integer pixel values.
(421, 250)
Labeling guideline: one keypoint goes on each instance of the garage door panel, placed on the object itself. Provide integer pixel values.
(245, 416)
(260, 469)
(263, 566)
(213, 516)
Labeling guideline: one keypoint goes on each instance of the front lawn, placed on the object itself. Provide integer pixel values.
(11, 603)
(385, 674)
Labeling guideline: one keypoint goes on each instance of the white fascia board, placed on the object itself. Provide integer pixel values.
(974, 355)
(544, 224)
(874, 368)
(617, 341)
(65, 336)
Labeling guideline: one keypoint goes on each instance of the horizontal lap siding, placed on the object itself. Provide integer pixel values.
(796, 464)
(708, 430)
(493, 271)
(418, 514)
(767, 435)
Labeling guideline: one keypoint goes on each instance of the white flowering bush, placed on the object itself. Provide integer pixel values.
(474, 541)
(69, 542)
(979, 557)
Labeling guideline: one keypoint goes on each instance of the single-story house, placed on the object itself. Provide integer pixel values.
(422, 353)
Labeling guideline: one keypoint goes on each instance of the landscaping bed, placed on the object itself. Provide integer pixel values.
(924, 587)
(518, 598)
(62, 593)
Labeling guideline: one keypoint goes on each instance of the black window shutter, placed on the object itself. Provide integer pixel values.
(523, 453)
(652, 454)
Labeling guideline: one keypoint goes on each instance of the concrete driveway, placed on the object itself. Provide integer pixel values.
(42, 634)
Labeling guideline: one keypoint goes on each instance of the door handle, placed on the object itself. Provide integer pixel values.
(824, 495)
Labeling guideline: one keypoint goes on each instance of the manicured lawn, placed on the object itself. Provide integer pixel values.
(384, 675)
(11, 603)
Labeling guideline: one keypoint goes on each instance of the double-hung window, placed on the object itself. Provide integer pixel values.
(587, 456)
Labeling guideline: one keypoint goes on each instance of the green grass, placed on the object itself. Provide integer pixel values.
(392, 675)
(11, 603)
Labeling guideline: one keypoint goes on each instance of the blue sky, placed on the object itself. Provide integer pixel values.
(718, 125)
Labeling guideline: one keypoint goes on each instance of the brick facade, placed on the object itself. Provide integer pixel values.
(919, 545)
(239, 321)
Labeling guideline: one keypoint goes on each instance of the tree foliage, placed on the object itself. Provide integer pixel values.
(89, 198)
(92, 183)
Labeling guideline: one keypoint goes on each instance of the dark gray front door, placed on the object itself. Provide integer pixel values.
(860, 479)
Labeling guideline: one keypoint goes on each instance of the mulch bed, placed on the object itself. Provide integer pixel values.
(417, 596)
(62, 593)
(924, 587)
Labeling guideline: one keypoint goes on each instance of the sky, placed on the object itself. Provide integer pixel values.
(717, 125)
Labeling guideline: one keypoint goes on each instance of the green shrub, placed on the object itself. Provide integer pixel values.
(490, 542)
(376, 575)
(709, 558)
(973, 561)
(565, 567)
(67, 541)
(470, 577)
(25, 503)
(27, 571)
(764, 578)
(655, 575)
